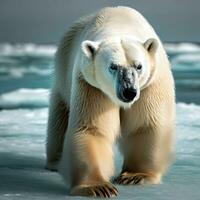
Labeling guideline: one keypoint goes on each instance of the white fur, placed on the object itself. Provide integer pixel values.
(114, 50)
(85, 87)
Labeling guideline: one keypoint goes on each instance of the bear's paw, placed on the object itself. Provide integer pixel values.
(127, 178)
(104, 190)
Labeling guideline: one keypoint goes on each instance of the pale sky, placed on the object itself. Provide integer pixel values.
(45, 21)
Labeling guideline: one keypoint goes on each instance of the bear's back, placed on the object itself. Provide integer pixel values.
(119, 21)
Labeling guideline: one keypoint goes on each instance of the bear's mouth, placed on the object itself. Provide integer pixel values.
(126, 95)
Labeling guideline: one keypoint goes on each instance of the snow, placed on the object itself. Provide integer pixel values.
(19, 60)
(22, 153)
(187, 59)
(27, 49)
(25, 97)
(19, 72)
(182, 48)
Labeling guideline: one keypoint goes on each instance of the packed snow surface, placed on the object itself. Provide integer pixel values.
(25, 79)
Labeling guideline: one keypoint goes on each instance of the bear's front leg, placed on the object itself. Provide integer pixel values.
(92, 165)
(147, 153)
(87, 159)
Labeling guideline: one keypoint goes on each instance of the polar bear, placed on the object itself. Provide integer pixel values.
(113, 82)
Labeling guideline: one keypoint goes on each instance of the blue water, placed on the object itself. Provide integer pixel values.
(25, 79)
(31, 66)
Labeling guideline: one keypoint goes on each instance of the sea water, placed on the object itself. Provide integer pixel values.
(25, 78)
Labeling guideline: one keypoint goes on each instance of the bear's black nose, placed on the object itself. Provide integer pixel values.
(127, 94)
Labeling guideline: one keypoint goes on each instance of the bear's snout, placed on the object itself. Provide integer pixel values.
(126, 91)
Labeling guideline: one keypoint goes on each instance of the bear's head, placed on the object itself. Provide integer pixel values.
(119, 67)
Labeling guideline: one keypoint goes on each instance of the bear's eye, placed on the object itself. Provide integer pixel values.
(113, 68)
(139, 67)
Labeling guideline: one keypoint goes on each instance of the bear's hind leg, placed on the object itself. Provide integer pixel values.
(146, 156)
(57, 125)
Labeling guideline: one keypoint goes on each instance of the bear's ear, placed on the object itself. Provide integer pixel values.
(151, 45)
(90, 48)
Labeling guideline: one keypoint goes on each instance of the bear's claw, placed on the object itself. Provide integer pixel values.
(132, 178)
(104, 190)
